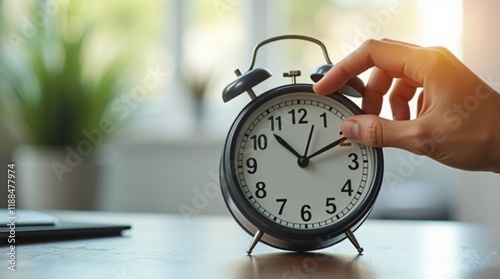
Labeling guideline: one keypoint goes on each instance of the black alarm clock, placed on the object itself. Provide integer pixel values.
(288, 175)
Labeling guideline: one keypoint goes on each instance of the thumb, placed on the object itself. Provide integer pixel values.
(374, 131)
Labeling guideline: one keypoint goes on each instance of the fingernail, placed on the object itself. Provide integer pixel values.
(351, 129)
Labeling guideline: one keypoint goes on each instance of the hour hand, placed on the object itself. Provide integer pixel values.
(286, 145)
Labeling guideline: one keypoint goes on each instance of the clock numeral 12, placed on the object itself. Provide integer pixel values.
(302, 119)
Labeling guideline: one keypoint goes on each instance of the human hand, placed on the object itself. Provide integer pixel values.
(457, 113)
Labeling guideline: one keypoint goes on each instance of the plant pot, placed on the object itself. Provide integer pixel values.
(56, 178)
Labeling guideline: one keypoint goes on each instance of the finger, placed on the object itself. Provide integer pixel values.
(401, 94)
(399, 42)
(392, 57)
(378, 84)
(374, 131)
(420, 102)
(357, 84)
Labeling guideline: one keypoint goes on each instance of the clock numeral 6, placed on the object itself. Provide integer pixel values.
(305, 214)
(355, 164)
(252, 165)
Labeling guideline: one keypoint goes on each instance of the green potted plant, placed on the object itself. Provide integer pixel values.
(196, 85)
(49, 86)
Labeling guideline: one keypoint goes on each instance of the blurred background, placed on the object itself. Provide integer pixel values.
(116, 105)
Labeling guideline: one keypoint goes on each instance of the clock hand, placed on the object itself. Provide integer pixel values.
(326, 148)
(286, 145)
(309, 140)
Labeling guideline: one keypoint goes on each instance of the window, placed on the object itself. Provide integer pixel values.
(219, 36)
(198, 44)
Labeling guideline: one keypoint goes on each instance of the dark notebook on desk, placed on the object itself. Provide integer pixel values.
(36, 226)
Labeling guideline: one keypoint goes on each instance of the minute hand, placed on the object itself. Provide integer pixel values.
(328, 147)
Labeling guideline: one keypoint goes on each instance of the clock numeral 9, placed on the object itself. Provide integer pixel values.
(302, 119)
(305, 214)
(259, 142)
(252, 165)
(261, 190)
(355, 164)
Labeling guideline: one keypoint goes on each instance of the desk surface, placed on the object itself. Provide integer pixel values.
(166, 246)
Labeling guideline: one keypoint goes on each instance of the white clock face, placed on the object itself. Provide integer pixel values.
(296, 168)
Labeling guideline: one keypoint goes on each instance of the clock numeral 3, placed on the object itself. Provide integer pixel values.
(355, 164)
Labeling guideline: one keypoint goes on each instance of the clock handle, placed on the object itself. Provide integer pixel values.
(354, 241)
(255, 240)
(288, 37)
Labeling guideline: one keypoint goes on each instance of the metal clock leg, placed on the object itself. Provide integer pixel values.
(254, 242)
(354, 241)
